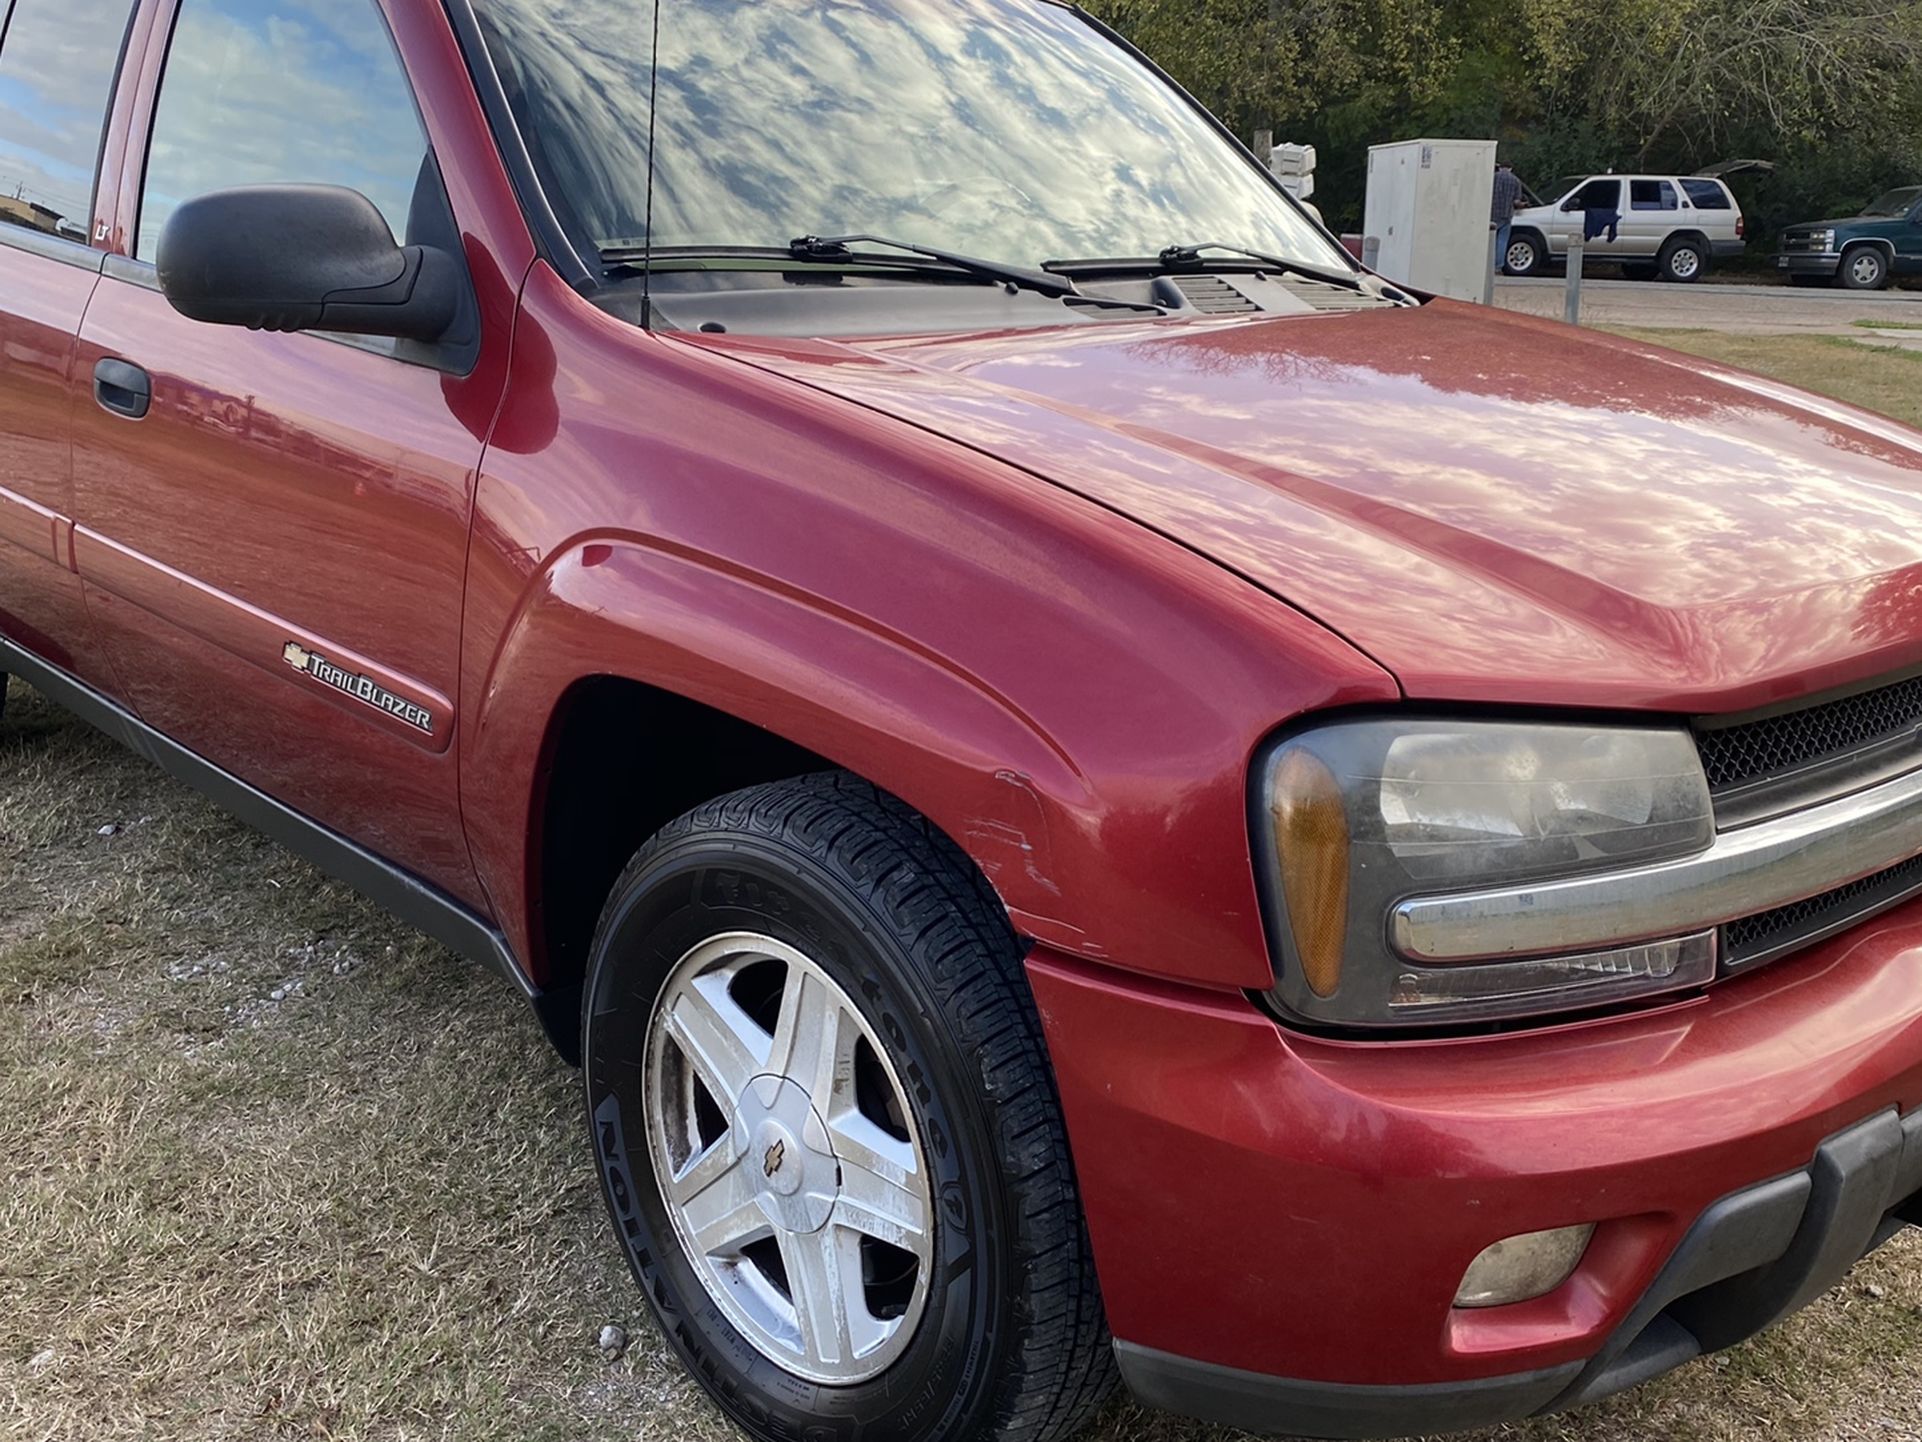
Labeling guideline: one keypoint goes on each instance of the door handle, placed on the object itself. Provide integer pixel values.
(123, 388)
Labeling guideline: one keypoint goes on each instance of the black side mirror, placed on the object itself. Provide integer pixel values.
(303, 257)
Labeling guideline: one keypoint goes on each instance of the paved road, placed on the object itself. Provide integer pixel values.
(1744, 309)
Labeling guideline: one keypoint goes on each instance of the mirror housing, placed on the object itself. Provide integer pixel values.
(303, 257)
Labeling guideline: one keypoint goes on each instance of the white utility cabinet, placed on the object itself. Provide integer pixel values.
(1428, 206)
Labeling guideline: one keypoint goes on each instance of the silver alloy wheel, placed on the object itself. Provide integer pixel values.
(788, 1159)
(1865, 266)
(1684, 262)
(1521, 255)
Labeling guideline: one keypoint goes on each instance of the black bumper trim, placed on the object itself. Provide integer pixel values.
(1256, 1402)
(1756, 1256)
(1749, 1260)
(1812, 263)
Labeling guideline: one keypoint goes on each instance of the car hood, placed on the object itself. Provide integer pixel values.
(1840, 220)
(1490, 506)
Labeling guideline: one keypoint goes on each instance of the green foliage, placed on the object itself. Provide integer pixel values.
(1830, 89)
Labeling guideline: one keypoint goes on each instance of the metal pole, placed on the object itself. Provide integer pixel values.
(1573, 315)
(1371, 252)
(1494, 263)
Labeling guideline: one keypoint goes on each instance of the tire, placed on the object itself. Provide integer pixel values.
(826, 900)
(1683, 260)
(1527, 254)
(1864, 267)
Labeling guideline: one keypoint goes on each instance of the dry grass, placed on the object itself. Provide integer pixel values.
(364, 1210)
(1876, 377)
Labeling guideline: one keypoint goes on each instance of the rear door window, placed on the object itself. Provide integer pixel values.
(1707, 194)
(58, 59)
(263, 92)
(1652, 195)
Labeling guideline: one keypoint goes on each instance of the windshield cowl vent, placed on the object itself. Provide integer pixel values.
(1323, 296)
(1213, 295)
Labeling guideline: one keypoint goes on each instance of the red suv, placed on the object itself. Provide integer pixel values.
(1066, 759)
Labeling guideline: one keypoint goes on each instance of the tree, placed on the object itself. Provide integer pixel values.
(1699, 75)
(1831, 88)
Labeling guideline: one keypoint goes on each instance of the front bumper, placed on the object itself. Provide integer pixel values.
(1281, 1222)
(1809, 262)
(1748, 1261)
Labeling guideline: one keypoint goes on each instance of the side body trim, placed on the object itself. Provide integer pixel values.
(417, 713)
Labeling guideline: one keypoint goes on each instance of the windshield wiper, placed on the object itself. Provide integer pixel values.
(1188, 257)
(1195, 257)
(838, 249)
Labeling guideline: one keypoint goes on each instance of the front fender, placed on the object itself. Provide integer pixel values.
(1074, 700)
(1097, 844)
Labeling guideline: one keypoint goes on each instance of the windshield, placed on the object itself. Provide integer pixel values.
(1895, 203)
(1007, 129)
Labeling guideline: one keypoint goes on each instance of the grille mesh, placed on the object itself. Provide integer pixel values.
(1737, 755)
(1769, 931)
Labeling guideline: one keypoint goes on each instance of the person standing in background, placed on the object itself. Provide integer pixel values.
(1508, 199)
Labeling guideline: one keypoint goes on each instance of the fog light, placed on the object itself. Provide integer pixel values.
(1524, 1267)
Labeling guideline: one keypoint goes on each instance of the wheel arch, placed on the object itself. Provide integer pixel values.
(596, 800)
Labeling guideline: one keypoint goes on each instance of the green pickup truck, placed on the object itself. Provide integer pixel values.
(1863, 252)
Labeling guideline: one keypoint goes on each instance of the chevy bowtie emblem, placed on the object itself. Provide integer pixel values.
(776, 1155)
(361, 688)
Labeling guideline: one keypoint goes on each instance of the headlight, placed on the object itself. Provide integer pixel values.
(1823, 240)
(1360, 816)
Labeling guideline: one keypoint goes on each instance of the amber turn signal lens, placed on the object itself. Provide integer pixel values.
(1311, 838)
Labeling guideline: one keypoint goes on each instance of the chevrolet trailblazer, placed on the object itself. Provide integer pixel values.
(1100, 793)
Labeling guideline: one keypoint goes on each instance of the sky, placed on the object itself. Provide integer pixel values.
(54, 76)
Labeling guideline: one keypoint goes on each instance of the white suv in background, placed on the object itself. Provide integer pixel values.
(1667, 227)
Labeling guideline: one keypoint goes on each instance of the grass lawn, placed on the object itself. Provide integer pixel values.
(277, 1168)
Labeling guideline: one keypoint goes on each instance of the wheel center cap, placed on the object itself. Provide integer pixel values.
(780, 1157)
(789, 1159)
